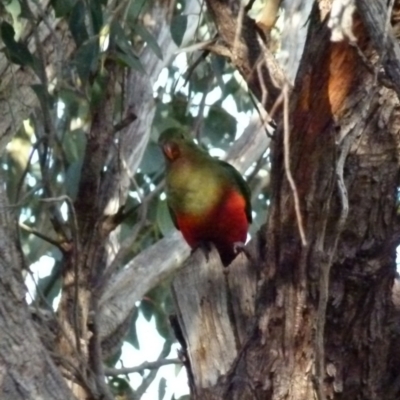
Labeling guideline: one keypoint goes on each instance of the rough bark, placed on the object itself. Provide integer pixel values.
(27, 371)
(321, 325)
(215, 309)
(240, 40)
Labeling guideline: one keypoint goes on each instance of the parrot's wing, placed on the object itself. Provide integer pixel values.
(241, 184)
(173, 217)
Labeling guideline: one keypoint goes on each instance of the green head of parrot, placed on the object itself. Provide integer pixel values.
(176, 143)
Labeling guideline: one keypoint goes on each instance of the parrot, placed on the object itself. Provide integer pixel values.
(208, 199)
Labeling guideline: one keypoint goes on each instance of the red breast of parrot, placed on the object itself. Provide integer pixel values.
(208, 199)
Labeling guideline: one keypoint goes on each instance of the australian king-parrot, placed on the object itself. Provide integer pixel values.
(208, 199)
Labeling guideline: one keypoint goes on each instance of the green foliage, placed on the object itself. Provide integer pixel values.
(124, 53)
(149, 39)
(120, 387)
(219, 125)
(62, 7)
(96, 15)
(162, 386)
(17, 52)
(157, 304)
(164, 220)
(135, 8)
(152, 161)
(50, 286)
(178, 28)
(86, 58)
(132, 337)
(77, 24)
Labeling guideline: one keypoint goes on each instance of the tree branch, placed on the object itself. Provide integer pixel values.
(376, 18)
(140, 368)
(242, 42)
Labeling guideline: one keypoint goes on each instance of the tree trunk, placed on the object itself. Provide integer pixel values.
(26, 369)
(319, 326)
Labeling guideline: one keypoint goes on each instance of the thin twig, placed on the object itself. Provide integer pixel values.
(289, 176)
(96, 359)
(239, 26)
(140, 368)
(40, 235)
(264, 91)
(199, 119)
(76, 251)
(49, 133)
(124, 249)
(192, 68)
(126, 121)
(26, 170)
(78, 374)
(153, 373)
(58, 45)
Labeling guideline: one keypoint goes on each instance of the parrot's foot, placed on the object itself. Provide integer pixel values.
(205, 248)
(239, 247)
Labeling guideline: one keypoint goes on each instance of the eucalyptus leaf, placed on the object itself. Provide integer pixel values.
(162, 323)
(135, 8)
(77, 24)
(112, 360)
(152, 160)
(147, 308)
(130, 61)
(17, 52)
(98, 90)
(164, 220)
(162, 387)
(178, 28)
(72, 179)
(71, 102)
(220, 126)
(149, 39)
(132, 337)
(118, 36)
(125, 53)
(49, 286)
(96, 13)
(86, 59)
(74, 145)
(62, 7)
(121, 388)
(25, 10)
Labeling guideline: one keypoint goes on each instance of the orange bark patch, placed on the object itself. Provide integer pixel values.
(321, 99)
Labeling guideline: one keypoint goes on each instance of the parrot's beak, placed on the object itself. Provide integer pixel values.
(171, 150)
